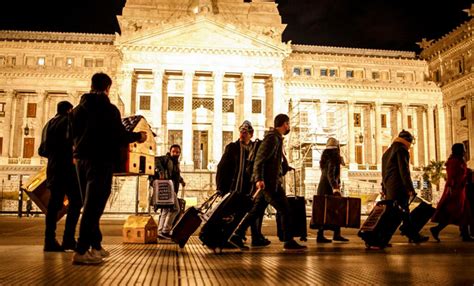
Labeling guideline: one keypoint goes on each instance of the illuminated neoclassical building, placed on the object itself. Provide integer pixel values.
(197, 69)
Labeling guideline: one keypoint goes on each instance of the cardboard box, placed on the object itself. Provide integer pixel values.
(140, 229)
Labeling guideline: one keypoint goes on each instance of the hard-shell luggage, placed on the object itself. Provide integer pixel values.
(36, 189)
(297, 218)
(381, 224)
(297, 215)
(420, 215)
(224, 219)
(334, 211)
(190, 221)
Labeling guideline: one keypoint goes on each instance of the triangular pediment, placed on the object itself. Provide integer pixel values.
(205, 33)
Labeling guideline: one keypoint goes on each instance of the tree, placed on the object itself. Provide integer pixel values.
(433, 174)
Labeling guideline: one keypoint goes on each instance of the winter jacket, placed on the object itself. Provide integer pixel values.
(330, 172)
(166, 169)
(396, 179)
(97, 129)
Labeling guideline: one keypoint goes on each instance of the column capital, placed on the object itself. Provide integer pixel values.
(351, 102)
(430, 106)
(158, 73)
(188, 74)
(218, 74)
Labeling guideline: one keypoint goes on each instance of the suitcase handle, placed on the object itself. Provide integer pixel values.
(208, 203)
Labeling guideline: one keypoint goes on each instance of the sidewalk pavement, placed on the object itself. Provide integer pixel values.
(22, 261)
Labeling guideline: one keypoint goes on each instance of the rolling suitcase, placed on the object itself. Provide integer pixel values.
(297, 215)
(420, 216)
(381, 224)
(190, 221)
(334, 211)
(224, 220)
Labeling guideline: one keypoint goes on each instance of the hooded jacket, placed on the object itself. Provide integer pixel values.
(97, 129)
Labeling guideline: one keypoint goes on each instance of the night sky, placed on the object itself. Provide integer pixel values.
(379, 24)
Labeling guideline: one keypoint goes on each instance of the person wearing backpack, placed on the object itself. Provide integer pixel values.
(167, 168)
(61, 180)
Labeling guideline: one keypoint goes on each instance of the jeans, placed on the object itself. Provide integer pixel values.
(167, 217)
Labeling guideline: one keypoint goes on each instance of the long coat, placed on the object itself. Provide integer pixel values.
(453, 207)
(330, 172)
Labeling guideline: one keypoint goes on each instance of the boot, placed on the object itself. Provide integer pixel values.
(338, 237)
(321, 238)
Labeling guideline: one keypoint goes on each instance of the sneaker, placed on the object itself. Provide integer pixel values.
(53, 246)
(86, 259)
(164, 235)
(293, 245)
(261, 242)
(238, 242)
(102, 253)
(69, 245)
(340, 238)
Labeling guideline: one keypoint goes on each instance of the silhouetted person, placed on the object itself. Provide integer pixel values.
(396, 180)
(61, 179)
(98, 134)
(269, 168)
(453, 207)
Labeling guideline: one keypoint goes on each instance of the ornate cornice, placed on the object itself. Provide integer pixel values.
(448, 41)
(46, 46)
(353, 51)
(31, 36)
(52, 73)
(430, 87)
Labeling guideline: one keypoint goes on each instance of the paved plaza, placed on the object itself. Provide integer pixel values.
(24, 263)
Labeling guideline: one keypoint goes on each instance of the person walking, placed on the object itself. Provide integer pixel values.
(453, 207)
(268, 173)
(396, 181)
(98, 134)
(330, 183)
(167, 168)
(234, 174)
(61, 180)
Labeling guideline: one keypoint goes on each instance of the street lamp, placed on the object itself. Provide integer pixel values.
(20, 198)
(26, 130)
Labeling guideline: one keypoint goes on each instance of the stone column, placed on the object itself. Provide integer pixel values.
(420, 140)
(470, 125)
(378, 134)
(14, 103)
(279, 105)
(431, 133)
(156, 109)
(450, 116)
(126, 91)
(404, 111)
(351, 141)
(217, 124)
(426, 158)
(247, 102)
(441, 133)
(188, 120)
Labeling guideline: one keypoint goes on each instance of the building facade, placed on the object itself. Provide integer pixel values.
(197, 69)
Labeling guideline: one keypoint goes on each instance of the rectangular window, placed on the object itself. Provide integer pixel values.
(227, 137)
(200, 102)
(375, 75)
(359, 74)
(296, 71)
(323, 72)
(462, 112)
(1, 146)
(466, 145)
(358, 151)
(88, 63)
(3, 61)
(383, 120)
(307, 71)
(459, 66)
(357, 120)
(332, 72)
(175, 137)
(409, 122)
(28, 147)
(59, 62)
(12, 61)
(349, 73)
(175, 103)
(400, 76)
(99, 63)
(41, 61)
(437, 75)
(69, 62)
(145, 102)
(256, 106)
(31, 110)
(227, 105)
(2, 109)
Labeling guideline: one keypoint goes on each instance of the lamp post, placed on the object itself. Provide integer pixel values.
(20, 198)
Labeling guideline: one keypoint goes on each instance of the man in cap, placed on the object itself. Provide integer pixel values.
(234, 173)
(61, 179)
(269, 168)
(396, 180)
